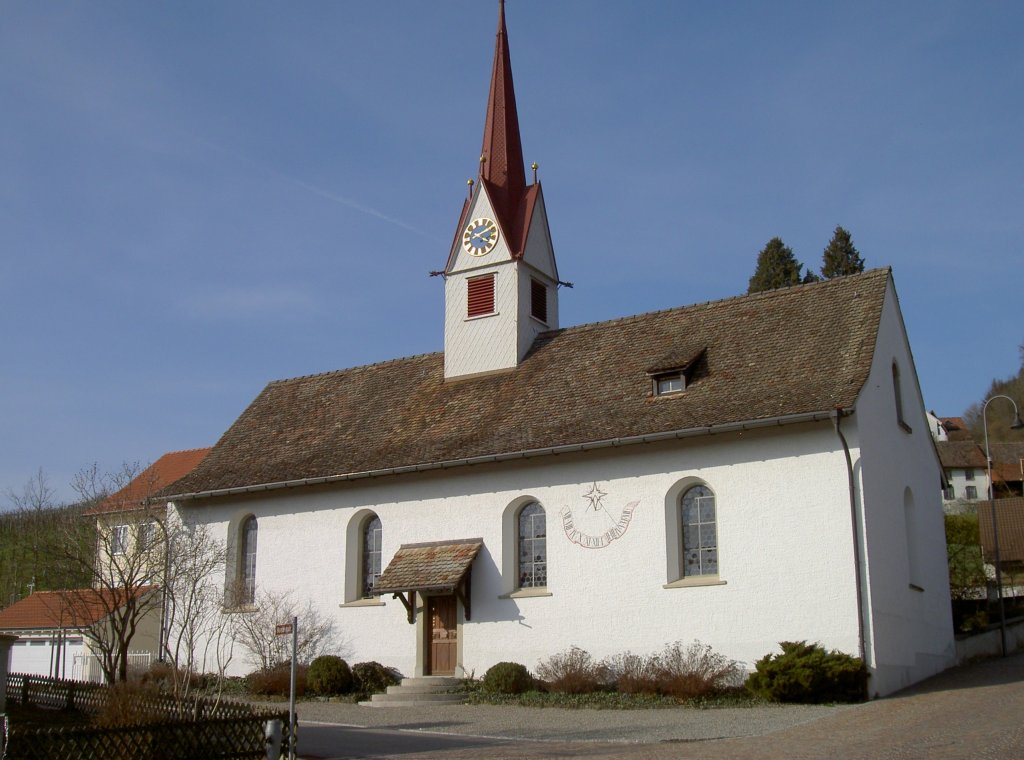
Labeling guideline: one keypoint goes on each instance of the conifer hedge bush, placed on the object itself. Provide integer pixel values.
(808, 673)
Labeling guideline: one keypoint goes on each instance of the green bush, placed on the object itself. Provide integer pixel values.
(507, 678)
(807, 673)
(373, 678)
(573, 672)
(329, 675)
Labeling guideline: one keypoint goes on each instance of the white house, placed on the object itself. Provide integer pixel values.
(743, 472)
(53, 627)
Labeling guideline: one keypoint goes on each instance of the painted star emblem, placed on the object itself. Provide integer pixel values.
(594, 496)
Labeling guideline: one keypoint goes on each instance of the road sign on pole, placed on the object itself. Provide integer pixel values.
(283, 629)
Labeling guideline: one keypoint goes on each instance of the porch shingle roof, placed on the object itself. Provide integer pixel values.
(428, 567)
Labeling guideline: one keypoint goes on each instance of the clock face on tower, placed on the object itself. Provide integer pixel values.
(480, 237)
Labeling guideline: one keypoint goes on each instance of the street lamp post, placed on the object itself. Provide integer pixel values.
(1017, 425)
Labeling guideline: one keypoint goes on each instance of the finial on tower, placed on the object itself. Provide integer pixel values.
(469, 182)
(534, 167)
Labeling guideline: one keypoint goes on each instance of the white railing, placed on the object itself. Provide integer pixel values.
(87, 666)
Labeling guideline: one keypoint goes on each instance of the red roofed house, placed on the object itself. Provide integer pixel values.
(743, 472)
(54, 626)
(124, 519)
(52, 629)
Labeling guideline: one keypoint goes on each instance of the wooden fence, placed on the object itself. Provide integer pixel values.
(198, 729)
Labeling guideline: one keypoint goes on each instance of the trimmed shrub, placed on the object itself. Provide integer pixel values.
(373, 678)
(329, 675)
(276, 681)
(507, 678)
(696, 671)
(807, 673)
(572, 672)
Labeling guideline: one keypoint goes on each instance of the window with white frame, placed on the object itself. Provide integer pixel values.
(119, 539)
(969, 474)
(531, 537)
(700, 536)
(671, 383)
(147, 535)
(971, 492)
(371, 552)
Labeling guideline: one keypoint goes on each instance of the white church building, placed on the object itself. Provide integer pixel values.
(742, 472)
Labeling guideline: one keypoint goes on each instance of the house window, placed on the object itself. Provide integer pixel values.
(119, 539)
(700, 540)
(948, 493)
(539, 300)
(480, 295)
(147, 536)
(666, 384)
(371, 551)
(968, 474)
(532, 540)
(971, 492)
(248, 556)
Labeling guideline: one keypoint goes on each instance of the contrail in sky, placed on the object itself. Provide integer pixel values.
(325, 194)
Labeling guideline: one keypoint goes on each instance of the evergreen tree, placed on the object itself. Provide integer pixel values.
(840, 257)
(777, 267)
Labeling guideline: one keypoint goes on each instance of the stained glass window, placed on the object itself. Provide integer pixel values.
(249, 531)
(700, 539)
(372, 534)
(533, 549)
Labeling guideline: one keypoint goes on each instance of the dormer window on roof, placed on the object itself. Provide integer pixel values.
(673, 383)
(671, 374)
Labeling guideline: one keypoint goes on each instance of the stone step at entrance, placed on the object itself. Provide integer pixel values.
(429, 690)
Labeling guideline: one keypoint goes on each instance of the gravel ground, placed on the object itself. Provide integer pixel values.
(973, 711)
(556, 724)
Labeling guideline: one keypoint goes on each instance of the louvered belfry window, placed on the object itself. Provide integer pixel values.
(539, 300)
(481, 295)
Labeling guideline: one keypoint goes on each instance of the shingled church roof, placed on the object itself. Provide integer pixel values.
(780, 354)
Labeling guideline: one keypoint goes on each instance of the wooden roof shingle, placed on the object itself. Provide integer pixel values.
(798, 350)
(428, 567)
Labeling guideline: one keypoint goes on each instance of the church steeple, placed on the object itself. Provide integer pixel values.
(501, 282)
(502, 153)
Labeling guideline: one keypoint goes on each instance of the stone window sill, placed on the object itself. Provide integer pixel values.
(374, 602)
(701, 580)
(526, 593)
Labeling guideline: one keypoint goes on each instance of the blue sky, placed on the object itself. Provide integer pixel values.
(199, 197)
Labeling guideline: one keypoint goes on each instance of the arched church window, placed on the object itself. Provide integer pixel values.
(532, 541)
(248, 557)
(700, 536)
(371, 551)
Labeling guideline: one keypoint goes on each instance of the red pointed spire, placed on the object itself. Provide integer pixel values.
(502, 154)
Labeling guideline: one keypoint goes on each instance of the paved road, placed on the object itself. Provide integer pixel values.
(971, 712)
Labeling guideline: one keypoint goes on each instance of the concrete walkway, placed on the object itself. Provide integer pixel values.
(976, 711)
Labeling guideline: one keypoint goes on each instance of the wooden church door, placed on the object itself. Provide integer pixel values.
(443, 635)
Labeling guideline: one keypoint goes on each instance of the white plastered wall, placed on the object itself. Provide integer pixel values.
(909, 624)
(785, 550)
